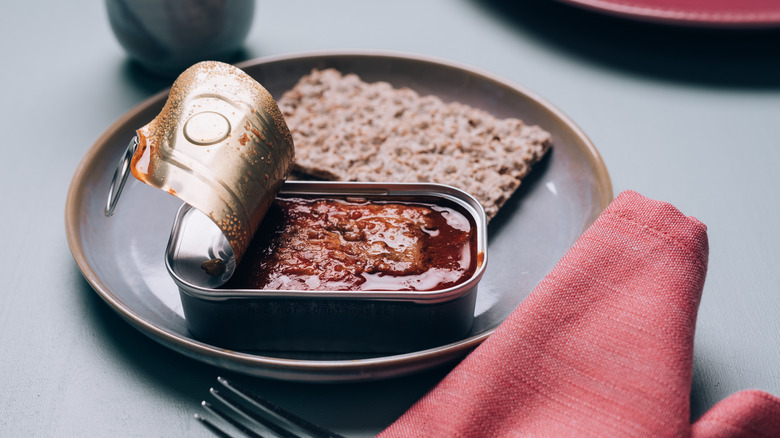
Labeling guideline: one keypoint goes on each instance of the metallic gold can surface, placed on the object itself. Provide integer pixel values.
(221, 145)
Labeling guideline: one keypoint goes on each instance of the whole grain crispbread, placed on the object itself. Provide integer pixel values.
(349, 130)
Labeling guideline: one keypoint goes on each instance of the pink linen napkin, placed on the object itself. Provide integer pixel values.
(602, 347)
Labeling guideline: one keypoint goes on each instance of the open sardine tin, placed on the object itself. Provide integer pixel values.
(221, 145)
(355, 321)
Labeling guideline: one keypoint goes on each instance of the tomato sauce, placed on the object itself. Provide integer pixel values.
(338, 245)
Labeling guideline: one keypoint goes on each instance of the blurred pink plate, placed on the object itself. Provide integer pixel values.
(705, 13)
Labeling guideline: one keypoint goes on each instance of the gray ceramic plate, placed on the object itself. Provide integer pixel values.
(122, 256)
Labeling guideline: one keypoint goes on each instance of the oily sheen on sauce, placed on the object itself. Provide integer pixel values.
(332, 244)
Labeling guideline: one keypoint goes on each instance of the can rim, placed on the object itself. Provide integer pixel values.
(362, 189)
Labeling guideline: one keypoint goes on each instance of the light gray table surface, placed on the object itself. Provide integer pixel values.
(689, 116)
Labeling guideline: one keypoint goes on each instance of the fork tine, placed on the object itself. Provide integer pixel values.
(267, 406)
(268, 423)
(223, 415)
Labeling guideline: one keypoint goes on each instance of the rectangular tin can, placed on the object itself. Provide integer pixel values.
(327, 321)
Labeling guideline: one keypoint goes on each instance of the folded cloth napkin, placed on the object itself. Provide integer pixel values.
(603, 346)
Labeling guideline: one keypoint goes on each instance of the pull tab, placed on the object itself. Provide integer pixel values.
(120, 177)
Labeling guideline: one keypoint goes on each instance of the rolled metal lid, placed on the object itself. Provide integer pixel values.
(220, 144)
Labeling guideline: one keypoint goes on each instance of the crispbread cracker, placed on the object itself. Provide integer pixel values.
(346, 129)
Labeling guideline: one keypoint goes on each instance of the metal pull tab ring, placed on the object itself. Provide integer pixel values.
(120, 176)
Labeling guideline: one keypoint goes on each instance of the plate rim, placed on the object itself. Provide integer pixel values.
(303, 370)
(681, 16)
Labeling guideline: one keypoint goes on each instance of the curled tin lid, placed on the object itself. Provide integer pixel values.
(220, 144)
